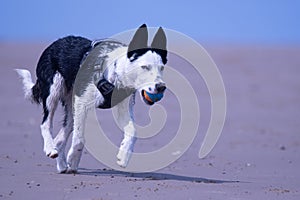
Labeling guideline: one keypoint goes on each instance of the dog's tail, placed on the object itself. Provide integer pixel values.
(31, 91)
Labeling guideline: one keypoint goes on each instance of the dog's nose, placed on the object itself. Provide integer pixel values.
(160, 87)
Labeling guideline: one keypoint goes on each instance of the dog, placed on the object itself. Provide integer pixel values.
(76, 71)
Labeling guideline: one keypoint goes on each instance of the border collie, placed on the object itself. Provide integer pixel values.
(76, 71)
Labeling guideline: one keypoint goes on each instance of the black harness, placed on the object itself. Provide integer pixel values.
(94, 62)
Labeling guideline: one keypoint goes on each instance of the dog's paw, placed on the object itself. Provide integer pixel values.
(123, 158)
(53, 154)
(49, 151)
(71, 171)
(61, 165)
(68, 171)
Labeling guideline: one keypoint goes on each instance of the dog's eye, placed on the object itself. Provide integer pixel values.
(147, 67)
(162, 68)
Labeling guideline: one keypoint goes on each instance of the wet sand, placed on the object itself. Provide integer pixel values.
(257, 156)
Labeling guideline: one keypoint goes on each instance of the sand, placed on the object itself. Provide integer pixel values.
(257, 156)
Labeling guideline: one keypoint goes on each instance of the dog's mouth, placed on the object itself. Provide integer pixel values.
(150, 98)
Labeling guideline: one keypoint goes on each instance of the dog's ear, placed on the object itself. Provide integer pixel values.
(159, 44)
(159, 40)
(139, 40)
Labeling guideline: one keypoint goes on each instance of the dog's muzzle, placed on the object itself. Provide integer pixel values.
(152, 97)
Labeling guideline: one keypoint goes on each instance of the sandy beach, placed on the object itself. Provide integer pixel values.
(257, 156)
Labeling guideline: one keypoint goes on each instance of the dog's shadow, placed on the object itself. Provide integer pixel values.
(150, 176)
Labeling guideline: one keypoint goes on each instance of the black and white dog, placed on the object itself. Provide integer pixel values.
(107, 68)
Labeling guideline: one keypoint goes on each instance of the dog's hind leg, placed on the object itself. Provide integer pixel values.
(46, 131)
(50, 105)
(63, 135)
(125, 120)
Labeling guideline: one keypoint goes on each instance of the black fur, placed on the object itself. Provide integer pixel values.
(63, 56)
(139, 44)
(135, 54)
(159, 44)
(139, 41)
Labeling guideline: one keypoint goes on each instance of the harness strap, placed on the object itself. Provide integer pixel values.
(105, 87)
(112, 95)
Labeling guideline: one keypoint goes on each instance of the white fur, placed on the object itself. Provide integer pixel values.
(81, 105)
(125, 119)
(52, 101)
(27, 82)
(63, 135)
(130, 74)
(123, 73)
(56, 93)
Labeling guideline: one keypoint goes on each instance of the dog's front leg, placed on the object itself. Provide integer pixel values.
(77, 145)
(125, 120)
(82, 104)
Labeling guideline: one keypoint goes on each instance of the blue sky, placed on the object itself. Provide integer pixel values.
(237, 21)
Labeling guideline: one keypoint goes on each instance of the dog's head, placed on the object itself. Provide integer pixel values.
(145, 64)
